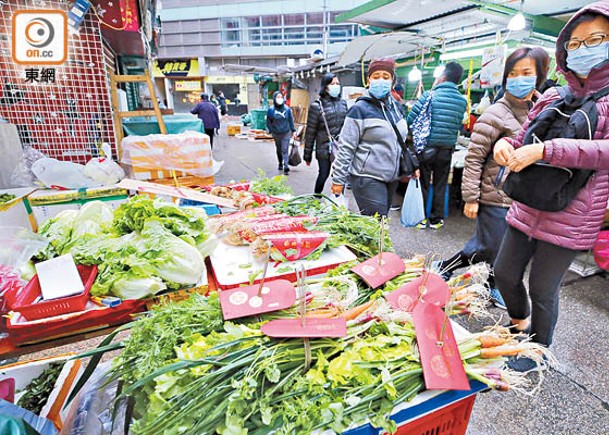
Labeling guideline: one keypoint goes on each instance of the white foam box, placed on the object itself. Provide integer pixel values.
(17, 212)
(24, 372)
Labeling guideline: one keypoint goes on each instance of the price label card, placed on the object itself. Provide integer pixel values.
(430, 287)
(377, 270)
(250, 301)
(440, 357)
(310, 328)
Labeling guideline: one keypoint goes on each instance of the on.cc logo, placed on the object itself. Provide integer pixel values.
(40, 37)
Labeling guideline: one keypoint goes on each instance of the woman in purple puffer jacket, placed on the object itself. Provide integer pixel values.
(550, 240)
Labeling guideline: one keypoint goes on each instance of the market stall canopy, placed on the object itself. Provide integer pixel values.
(383, 45)
(456, 22)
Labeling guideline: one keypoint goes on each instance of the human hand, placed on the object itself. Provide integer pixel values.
(337, 189)
(525, 156)
(295, 136)
(417, 174)
(471, 209)
(502, 152)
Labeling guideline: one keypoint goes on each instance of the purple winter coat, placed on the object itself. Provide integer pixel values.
(577, 226)
(208, 113)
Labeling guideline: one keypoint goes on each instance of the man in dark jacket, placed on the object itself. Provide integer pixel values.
(280, 123)
(316, 138)
(207, 112)
(447, 109)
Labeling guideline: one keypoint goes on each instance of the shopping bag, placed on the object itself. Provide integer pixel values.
(341, 201)
(295, 158)
(413, 210)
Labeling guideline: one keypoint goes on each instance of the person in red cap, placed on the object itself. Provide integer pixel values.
(369, 150)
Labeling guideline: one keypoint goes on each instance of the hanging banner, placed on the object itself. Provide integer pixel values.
(176, 68)
(493, 59)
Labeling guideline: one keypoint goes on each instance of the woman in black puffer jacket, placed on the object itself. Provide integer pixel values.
(316, 137)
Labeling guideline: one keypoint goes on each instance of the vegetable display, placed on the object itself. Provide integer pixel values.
(142, 248)
(190, 372)
(277, 185)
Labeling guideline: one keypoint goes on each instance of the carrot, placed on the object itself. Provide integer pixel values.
(356, 311)
(325, 313)
(498, 351)
(492, 340)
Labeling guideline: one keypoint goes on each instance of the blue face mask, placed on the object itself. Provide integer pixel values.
(379, 88)
(582, 60)
(520, 86)
(334, 90)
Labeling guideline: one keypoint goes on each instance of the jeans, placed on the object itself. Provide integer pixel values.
(372, 196)
(549, 263)
(324, 173)
(210, 132)
(282, 146)
(439, 167)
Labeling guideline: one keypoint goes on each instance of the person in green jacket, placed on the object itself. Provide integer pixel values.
(447, 109)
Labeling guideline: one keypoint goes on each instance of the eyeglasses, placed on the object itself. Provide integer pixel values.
(591, 41)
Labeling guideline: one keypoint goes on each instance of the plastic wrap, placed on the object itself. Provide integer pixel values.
(18, 245)
(156, 155)
(22, 175)
(89, 412)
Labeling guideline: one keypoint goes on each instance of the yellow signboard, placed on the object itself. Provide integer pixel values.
(176, 68)
(188, 85)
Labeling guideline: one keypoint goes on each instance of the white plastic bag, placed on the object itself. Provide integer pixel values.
(103, 170)
(58, 174)
(413, 209)
(341, 201)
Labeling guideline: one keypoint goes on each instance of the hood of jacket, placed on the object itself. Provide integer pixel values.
(599, 76)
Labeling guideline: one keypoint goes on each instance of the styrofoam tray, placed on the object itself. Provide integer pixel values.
(234, 265)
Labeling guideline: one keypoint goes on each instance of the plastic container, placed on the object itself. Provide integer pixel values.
(209, 209)
(23, 301)
(450, 420)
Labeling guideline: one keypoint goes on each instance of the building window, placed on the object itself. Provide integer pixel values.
(293, 20)
(231, 31)
(271, 21)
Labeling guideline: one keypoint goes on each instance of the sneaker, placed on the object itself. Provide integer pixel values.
(439, 267)
(348, 186)
(280, 167)
(395, 207)
(422, 225)
(437, 225)
(525, 364)
(497, 299)
(286, 170)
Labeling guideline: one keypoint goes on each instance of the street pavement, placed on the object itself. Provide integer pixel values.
(573, 399)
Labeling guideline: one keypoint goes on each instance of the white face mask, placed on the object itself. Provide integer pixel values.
(279, 101)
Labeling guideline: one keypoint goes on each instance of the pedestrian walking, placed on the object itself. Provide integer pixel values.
(447, 109)
(525, 70)
(324, 122)
(207, 112)
(369, 148)
(280, 123)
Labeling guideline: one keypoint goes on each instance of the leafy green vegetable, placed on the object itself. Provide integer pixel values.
(38, 390)
(276, 185)
(6, 197)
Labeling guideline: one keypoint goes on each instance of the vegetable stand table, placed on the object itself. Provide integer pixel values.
(145, 125)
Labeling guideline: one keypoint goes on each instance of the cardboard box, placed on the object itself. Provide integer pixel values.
(233, 130)
(18, 212)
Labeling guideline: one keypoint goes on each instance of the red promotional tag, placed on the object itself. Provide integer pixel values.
(440, 357)
(377, 270)
(294, 246)
(429, 287)
(312, 328)
(246, 301)
(280, 225)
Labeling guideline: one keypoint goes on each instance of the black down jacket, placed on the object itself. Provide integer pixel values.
(316, 137)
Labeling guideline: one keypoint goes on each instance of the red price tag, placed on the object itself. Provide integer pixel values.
(246, 301)
(429, 287)
(377, 270)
